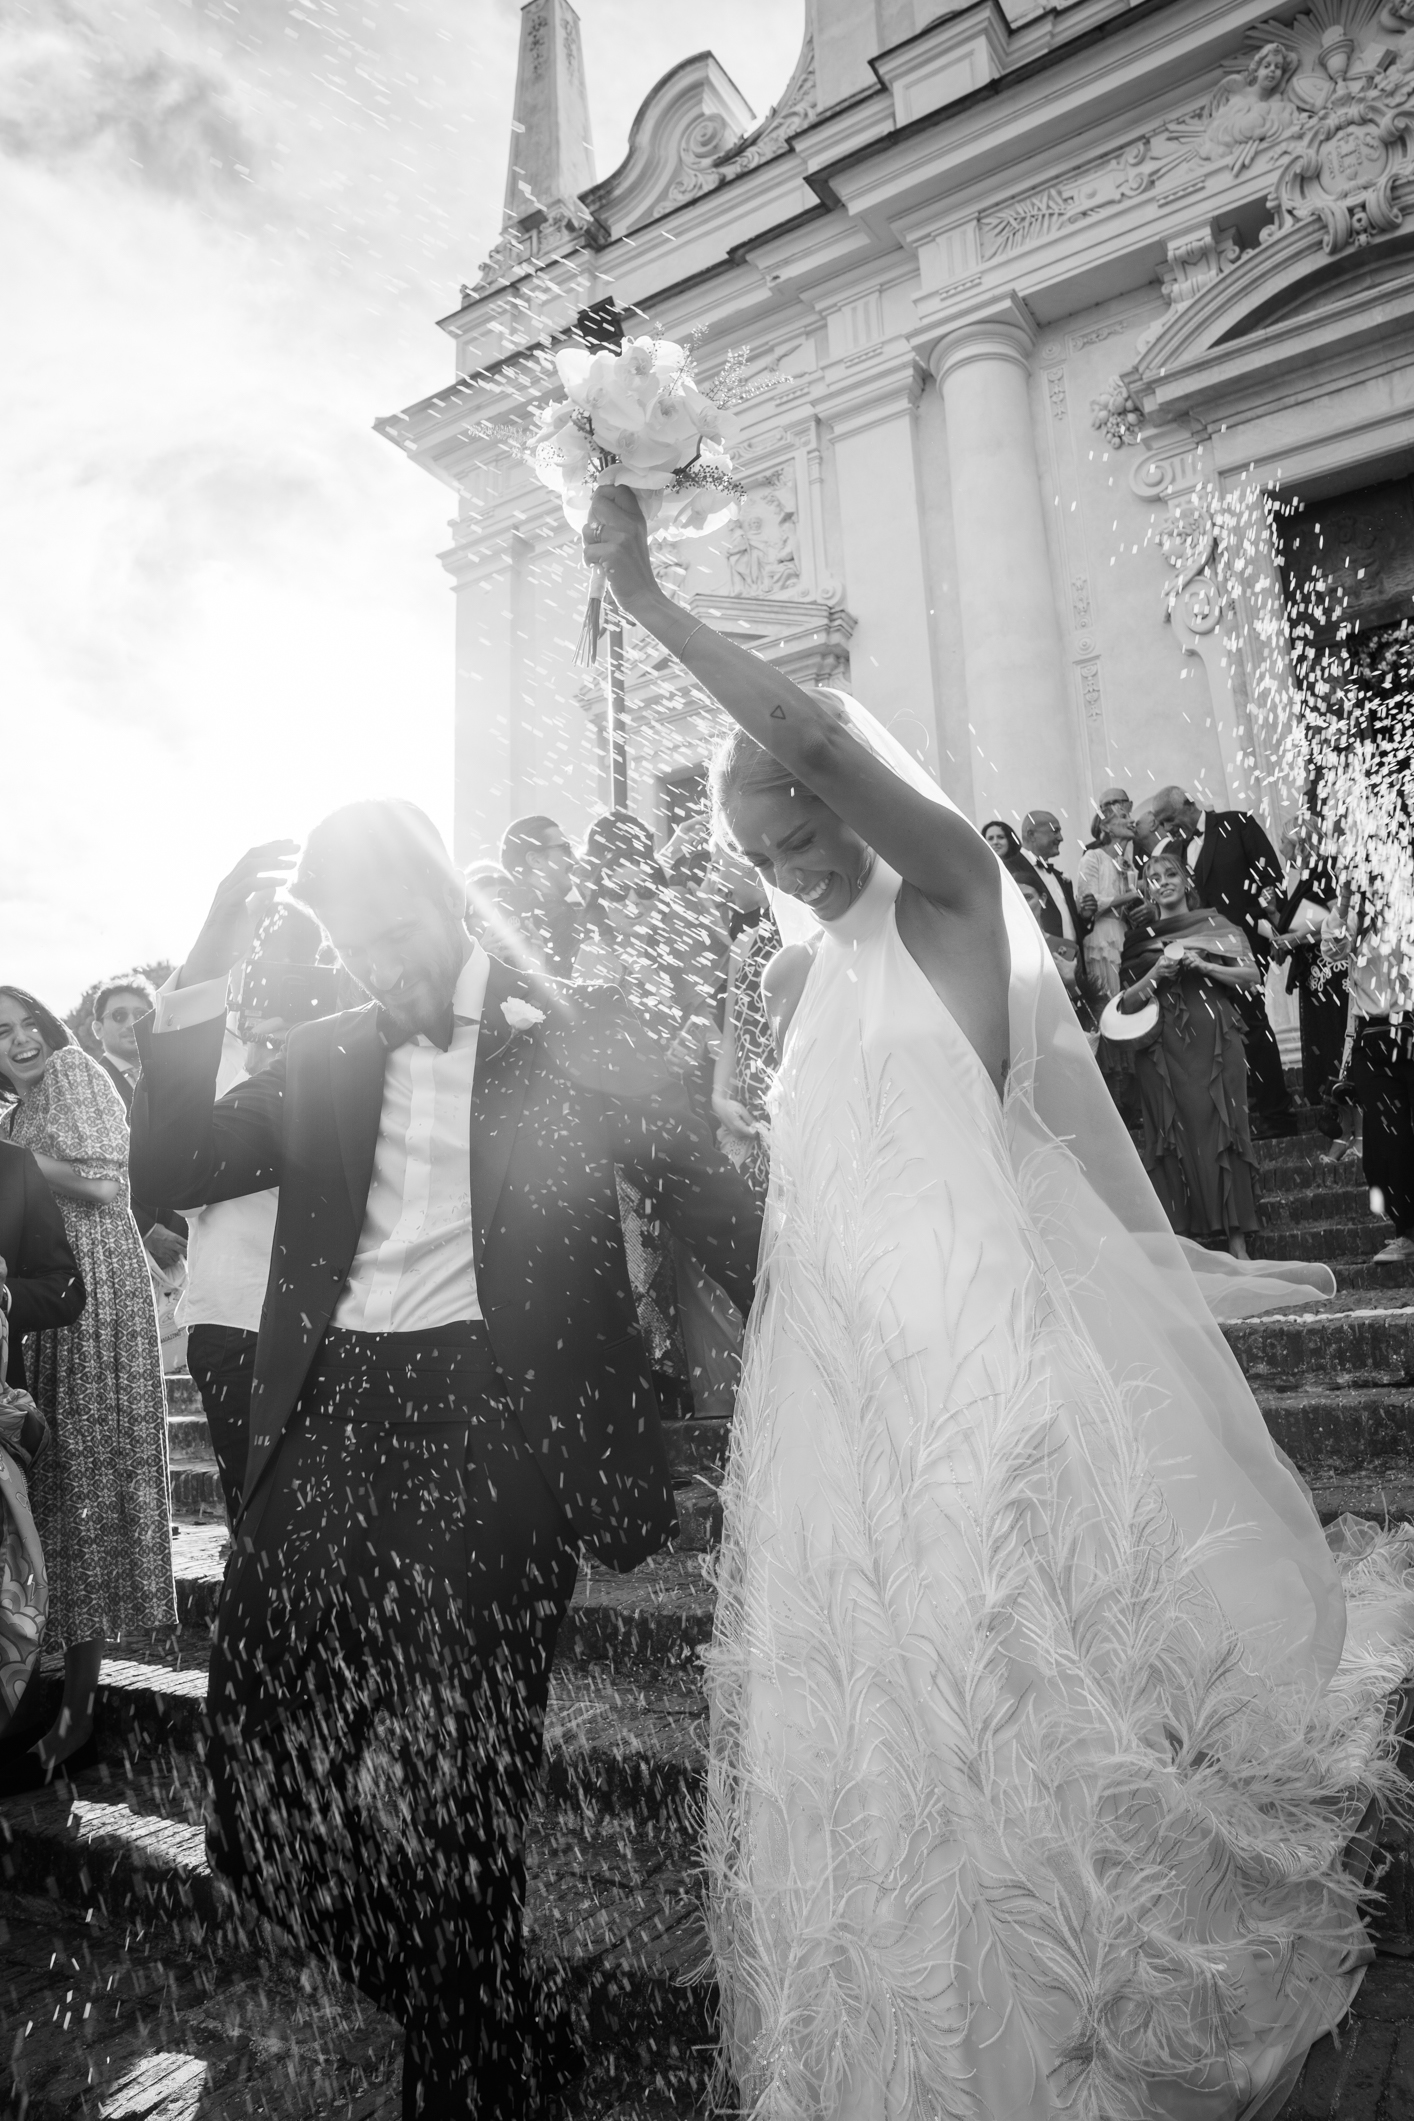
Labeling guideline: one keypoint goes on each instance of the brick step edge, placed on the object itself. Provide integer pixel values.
(626, 1953)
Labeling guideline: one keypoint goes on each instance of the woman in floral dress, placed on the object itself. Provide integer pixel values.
(100, 1493)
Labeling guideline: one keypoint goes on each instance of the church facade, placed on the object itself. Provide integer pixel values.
(1048, 301)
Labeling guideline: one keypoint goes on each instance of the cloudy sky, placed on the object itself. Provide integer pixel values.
(226, 228)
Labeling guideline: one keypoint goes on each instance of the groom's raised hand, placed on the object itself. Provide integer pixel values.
(242, 900)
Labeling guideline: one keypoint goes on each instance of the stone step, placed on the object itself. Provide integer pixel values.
(114, 2019)
(616, 1744)
(697, 1446)
(189, 1436)
(196, 1490)
(613, 1909)
(1315, 1203)
(1356, 1339)
(1382, 1492)
(1352, 1429)
(1306, 1143)
(1363, 1274)
(1334, 1243)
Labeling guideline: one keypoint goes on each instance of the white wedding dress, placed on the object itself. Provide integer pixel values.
(1038, 1729)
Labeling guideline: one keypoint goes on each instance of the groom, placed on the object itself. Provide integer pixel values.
(450, 1396)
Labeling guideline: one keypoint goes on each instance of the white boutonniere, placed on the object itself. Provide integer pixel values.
(521, 1016)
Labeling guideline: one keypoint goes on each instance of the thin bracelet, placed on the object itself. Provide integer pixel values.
(681, 652)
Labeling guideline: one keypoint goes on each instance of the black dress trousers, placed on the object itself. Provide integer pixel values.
(378, 1690)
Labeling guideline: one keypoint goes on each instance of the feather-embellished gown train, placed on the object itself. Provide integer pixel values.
(1029, 1794)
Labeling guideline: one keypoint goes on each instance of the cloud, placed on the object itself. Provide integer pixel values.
(226, 229)
(71, 93)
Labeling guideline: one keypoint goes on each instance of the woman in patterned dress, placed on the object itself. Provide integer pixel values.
(100, 1493)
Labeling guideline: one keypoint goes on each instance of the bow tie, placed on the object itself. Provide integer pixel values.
(394, 1033)
(1049, 867)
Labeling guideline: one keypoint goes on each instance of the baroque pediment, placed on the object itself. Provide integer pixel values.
(1320, 108)
(685, 125)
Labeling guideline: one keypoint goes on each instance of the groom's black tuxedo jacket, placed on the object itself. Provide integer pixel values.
(549, 1123)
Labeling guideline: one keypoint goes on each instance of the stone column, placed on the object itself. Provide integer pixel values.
(868, 407)
(1024, 740)
(491, 742)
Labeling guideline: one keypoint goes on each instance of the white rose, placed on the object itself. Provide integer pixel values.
(521, 1016)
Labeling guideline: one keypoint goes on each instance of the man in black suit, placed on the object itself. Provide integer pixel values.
(450, 1396)
(1235, 871)
(40, 1283)
(1041, 837)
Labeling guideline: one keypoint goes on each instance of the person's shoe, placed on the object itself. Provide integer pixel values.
(1399, 1252)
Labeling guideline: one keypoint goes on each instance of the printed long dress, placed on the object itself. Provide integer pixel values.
(1005, 1819)
(100, 1492)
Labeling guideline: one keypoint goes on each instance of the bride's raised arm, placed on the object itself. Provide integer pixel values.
(931, 847)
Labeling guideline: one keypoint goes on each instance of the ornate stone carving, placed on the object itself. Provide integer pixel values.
(1326, 101)
(1030, 219)
(1116, 415)
(1353, 134)
(1080, 602)
(762, 545)
(1055, 391)
(1091, 698)
(527, 243)
(1195, 261)
(1188, 539)
(679, 133)
(796, 108)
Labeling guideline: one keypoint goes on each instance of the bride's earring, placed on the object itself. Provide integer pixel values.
(866, 870)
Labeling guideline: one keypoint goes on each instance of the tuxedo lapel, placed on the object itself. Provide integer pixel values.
(1206, 852)
(356, 1077)
(504, 1060)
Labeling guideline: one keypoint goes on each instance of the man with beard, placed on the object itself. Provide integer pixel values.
(450, 1396)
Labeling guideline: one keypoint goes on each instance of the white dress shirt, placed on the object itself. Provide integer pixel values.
(414, 1265)
(229, 1243)
(1053, 885)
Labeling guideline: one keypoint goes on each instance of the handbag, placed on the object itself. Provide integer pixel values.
(24, 1589)
(1135, 1028)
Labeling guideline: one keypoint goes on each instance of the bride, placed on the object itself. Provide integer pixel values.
(1043, 1714)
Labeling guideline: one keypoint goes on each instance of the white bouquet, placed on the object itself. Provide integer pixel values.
(637, 418)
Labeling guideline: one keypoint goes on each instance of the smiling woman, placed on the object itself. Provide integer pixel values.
(99, 1496)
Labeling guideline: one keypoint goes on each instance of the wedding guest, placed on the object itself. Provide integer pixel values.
(1041, 840)
(1235, 871)
(662, 953)
(1012, 855)
(228, 1263)
(1107, 887)
(1309, 892)
(100, 1492)
(1063, 952)
(118, 1008)
(41, 1287)
(450, 1400)
(1380, 1068)
(540, 895)
(1192, 1075)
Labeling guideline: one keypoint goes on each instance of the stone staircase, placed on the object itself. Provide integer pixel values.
(128, 1986)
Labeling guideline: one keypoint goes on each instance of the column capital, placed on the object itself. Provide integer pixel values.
(878, 383)
(1001, 330)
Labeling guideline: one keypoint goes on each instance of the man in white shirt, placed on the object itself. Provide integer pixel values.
(450, 1396)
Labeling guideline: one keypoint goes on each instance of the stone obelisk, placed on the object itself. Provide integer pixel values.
(552, 155)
